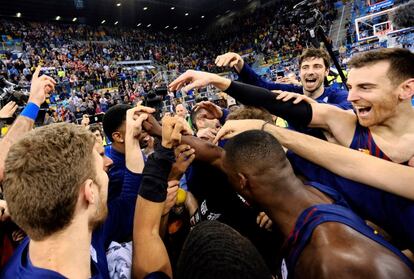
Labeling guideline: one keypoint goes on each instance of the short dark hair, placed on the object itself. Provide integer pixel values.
(315, 53)
(401, 62)
(43, 174)
(114, 118)
(215, 250)
(255, 146)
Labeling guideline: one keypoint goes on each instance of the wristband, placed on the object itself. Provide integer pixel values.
(30, 111)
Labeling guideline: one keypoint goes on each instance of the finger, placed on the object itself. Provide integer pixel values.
(141, 118)
(233, 63)
(176, 132)
(288, 97)
(227, 60)
(221, 61)
(223, 131)
(173, 183)
(194, 84)
(145, 109)
(181, 79)
(263, 221)
(14, 108)
(268, 224)
(188, 153)
(36, 72)
(191, 158)
(298, 100)
(182, 148)
(281, 95)
(44, 77)
(10, 104)
(218, 58)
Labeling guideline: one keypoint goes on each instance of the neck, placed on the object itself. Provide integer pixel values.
(398, 124)
(118, 147)
(66, 252)
(287, 200)
(314, 94)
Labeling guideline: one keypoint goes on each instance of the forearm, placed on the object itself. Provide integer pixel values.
(298, 115)
(204, 150)
(133, 155)
(149, 252)
(351, 164)
(20, 127)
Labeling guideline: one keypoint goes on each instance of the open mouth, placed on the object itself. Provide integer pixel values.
(363, 111)
(311, 81)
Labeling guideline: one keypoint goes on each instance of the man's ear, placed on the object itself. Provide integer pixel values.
(88, 191)
(243, 182)
(406, 89)
(117, 136)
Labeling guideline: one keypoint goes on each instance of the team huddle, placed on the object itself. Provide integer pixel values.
(330, 196)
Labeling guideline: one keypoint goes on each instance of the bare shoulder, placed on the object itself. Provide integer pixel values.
(339, 123)
(338, 251)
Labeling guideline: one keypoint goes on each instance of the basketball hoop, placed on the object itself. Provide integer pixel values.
(382, 35)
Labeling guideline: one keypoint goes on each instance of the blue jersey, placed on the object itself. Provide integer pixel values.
(315, 215)
(330, 95)
(391, 212)
(118, 225)
(364, 142)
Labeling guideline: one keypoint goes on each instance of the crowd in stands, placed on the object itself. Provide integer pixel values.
(84, 58)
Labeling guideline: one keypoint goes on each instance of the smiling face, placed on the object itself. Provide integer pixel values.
(374, 97)
(312, 73)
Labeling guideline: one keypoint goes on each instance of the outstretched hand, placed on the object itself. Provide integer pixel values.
(230, 59)
(235, 127)
(195, 79)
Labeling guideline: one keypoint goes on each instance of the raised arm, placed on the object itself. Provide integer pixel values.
(351, 164)
(40, 87)
(149, 252)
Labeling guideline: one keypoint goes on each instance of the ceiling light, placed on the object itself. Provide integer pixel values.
(58, 17)
(19, 14)
(149, 25)
(186, 14)
(202, 16)
(166, 27)
(145, 8)
(118, 5)
(139, 24)
(116, 22)
(103, 21)
(191, 28)
(175, 27)
(172, 8)
(74, 19)
(228, 11)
